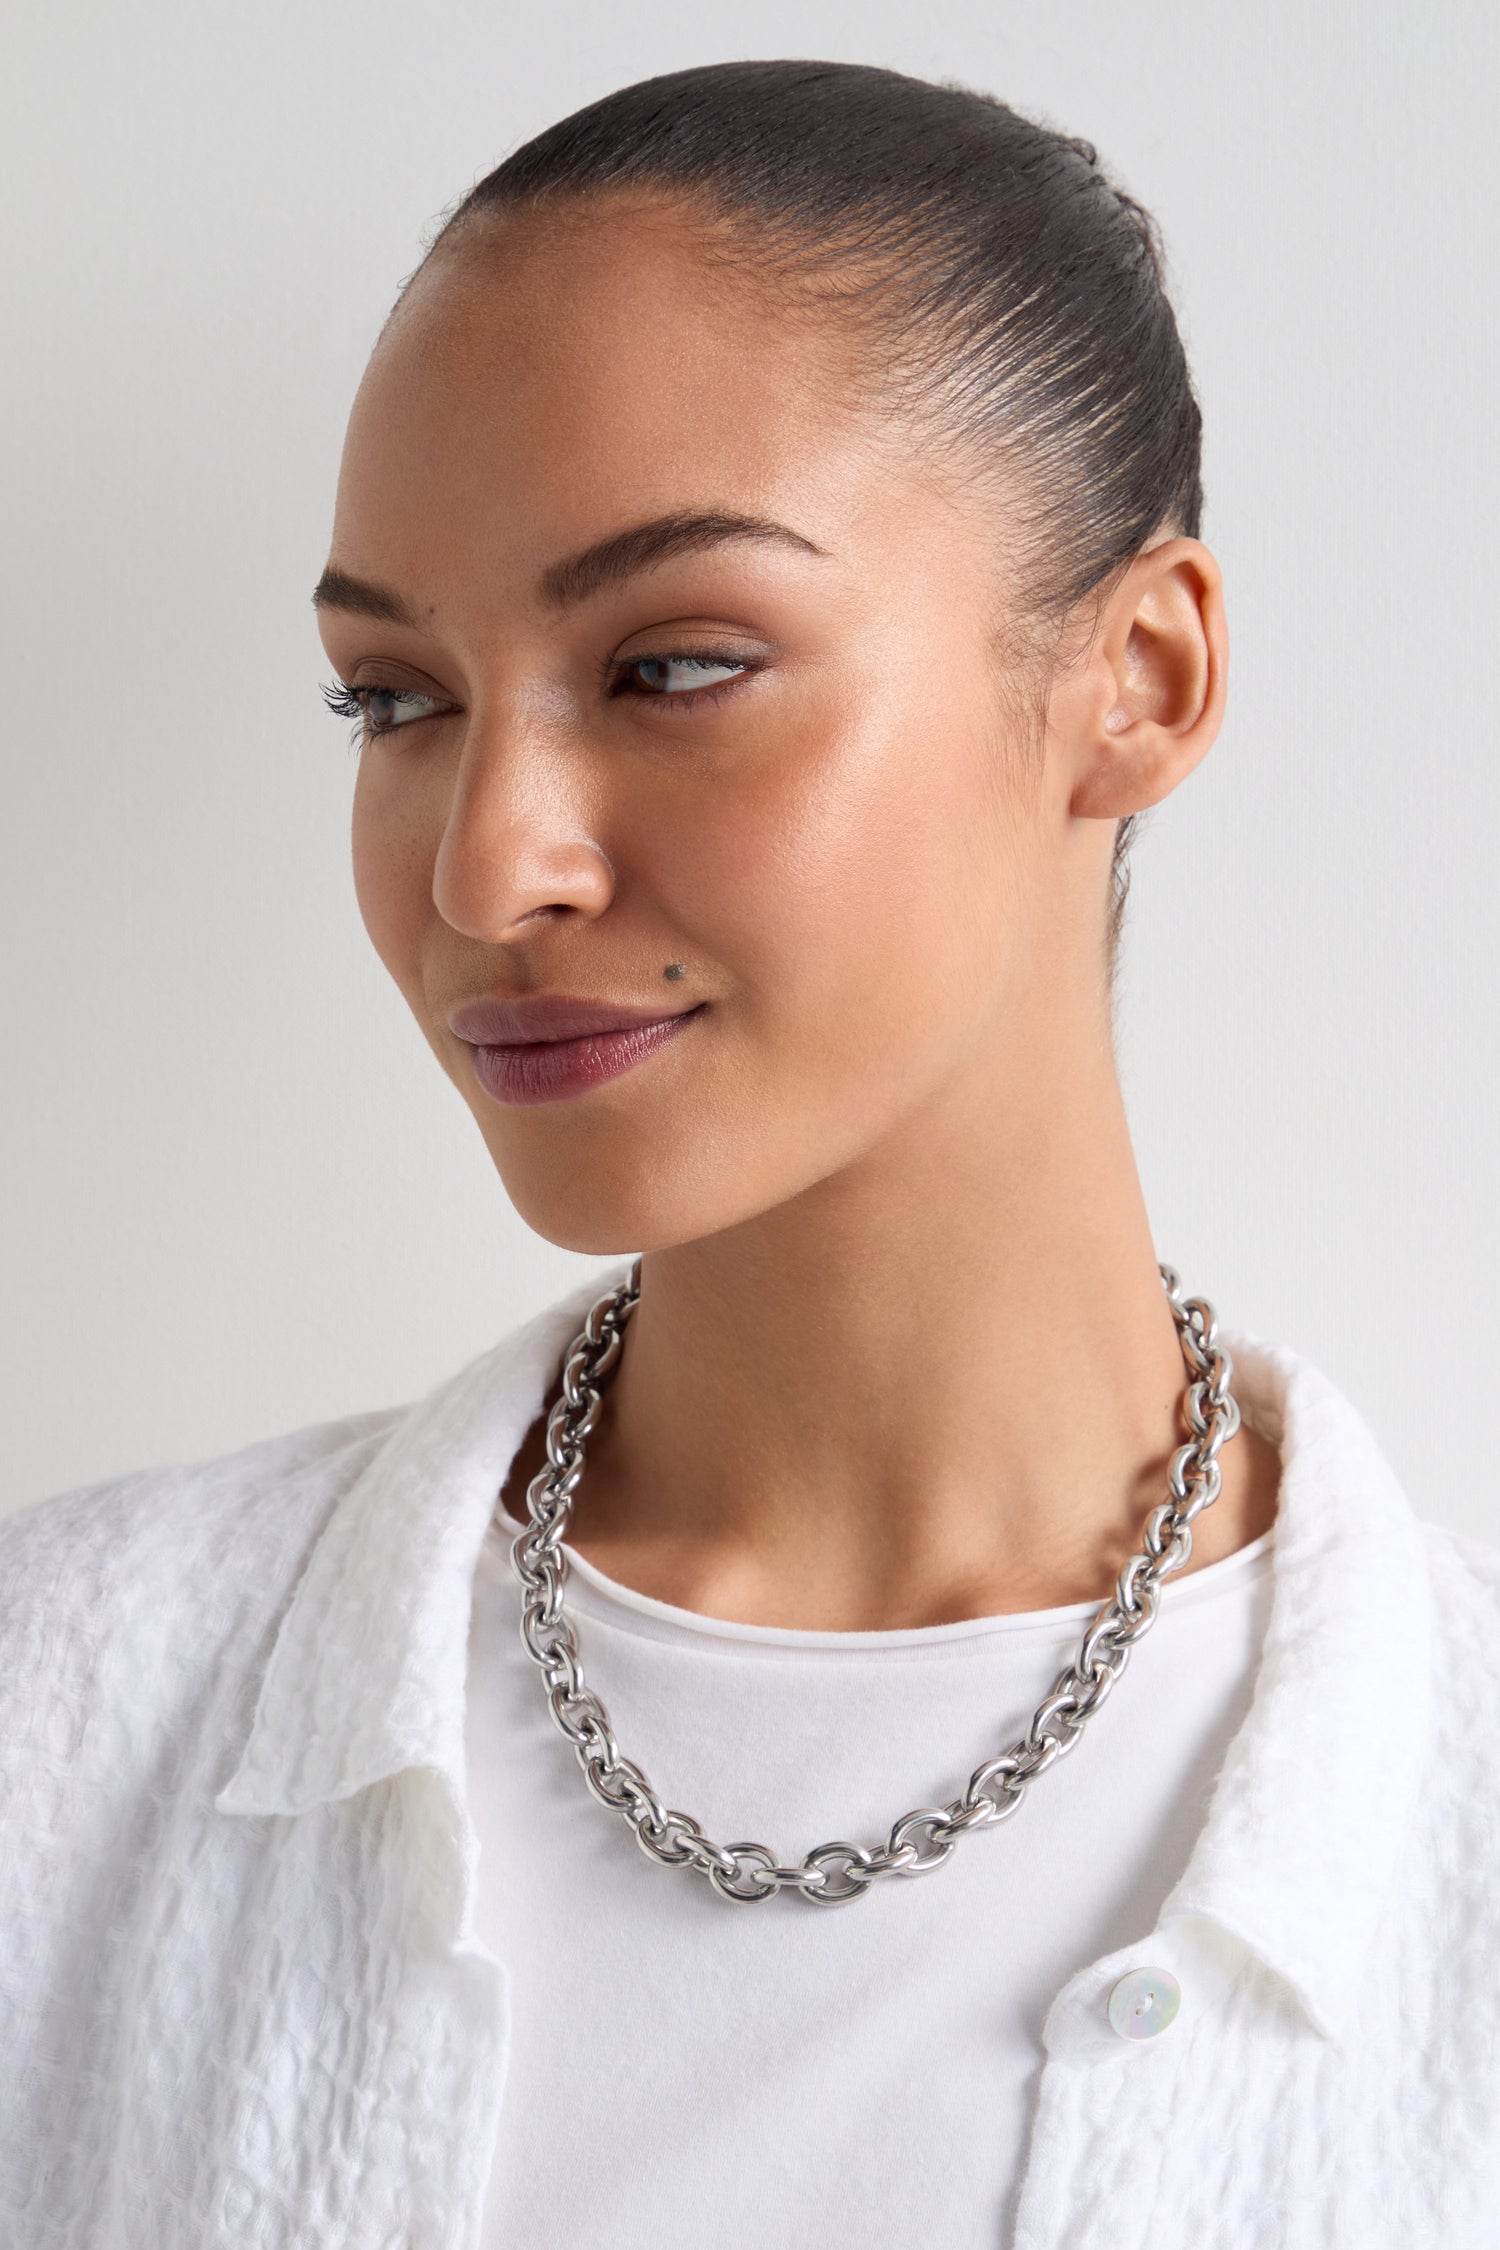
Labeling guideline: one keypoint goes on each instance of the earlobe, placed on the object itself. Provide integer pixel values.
(1155, 682)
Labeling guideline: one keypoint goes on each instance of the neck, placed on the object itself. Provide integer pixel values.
(944, 1382)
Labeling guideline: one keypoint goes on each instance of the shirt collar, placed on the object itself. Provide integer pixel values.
(1317, 1789)
(366, 1676)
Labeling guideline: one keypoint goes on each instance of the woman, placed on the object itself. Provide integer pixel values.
(766, 584)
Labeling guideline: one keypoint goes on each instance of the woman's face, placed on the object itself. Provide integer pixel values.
(675, 649)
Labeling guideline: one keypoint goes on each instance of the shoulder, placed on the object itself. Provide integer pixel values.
(167, 1514)
(139, 1582)
(1464, 1578)
(1464, 1573)
(1459, 1794)
(152, 1576)
(1462, 1559)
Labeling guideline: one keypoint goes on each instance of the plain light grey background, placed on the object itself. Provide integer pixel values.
(240, 1196)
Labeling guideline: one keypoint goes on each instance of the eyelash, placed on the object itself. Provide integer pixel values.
(347, 702)
(341, 700)
(617, 674)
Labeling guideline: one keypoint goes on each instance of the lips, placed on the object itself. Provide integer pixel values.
(551, 1046)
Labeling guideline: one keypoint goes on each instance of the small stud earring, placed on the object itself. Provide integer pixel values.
(675, 969)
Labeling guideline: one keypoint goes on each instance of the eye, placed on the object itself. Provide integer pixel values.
(381, 710)
(676, 675)
(385, 708)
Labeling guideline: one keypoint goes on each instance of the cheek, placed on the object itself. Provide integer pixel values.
(392, 879)
(859, 885)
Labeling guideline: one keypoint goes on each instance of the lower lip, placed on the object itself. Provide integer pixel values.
(550, 1070)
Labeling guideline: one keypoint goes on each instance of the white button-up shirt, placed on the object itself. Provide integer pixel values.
(242, 2004)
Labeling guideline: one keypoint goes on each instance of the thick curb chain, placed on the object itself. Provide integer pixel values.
(834, 1873)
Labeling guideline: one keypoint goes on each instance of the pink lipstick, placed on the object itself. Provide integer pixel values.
(550, 1047)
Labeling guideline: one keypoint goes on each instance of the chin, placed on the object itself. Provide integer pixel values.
(628, 1199)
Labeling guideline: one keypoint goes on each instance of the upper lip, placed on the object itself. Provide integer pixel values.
(487, 1022)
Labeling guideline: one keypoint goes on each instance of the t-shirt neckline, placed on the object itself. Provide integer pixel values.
(624, 1606)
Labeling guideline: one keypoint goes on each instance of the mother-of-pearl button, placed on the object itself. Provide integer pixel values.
(1144, 2002)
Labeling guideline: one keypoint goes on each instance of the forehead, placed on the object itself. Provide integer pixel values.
(548, 377)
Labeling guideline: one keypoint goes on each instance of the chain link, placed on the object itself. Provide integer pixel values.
(835, 1873)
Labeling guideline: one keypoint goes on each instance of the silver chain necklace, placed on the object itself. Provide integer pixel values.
(832, 1874)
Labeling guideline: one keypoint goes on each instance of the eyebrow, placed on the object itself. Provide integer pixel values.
(340, 589)
(609, 562)
(612, 560)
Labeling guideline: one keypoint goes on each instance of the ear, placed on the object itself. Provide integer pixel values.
(1144, 702)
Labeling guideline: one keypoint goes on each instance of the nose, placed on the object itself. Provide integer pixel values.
(518, 845)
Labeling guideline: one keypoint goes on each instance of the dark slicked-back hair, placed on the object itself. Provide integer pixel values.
(1001, 278)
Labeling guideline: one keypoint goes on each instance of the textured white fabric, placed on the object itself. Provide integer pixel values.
(242, 2005)
(889, 2053)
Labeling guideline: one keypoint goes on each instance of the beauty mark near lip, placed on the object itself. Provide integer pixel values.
(550, 1047)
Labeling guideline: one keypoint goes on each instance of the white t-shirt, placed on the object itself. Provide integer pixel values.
(689, 2071)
